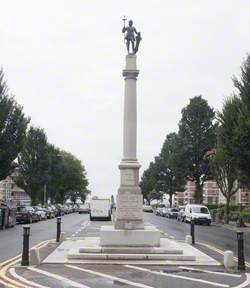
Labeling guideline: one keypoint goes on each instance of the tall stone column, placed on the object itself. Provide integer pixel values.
(129, 199)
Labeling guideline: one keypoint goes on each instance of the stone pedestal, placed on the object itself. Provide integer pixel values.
(148, 237)
(129, 199)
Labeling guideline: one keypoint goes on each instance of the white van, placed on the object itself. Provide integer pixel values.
(100, 209)
(198, 213)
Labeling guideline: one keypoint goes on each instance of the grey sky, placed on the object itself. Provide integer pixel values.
(63, 60)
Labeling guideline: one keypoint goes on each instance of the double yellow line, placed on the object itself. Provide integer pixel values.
(4, 267)
(220, 252)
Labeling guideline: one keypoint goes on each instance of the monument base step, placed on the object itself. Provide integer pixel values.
(108, 256)
(148, 237)
(130, 250)
(68, 252)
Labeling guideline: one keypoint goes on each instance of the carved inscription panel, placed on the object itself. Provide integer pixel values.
(129, 206)
(128, 177)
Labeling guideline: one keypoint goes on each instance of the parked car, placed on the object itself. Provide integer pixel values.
(60, 209)
(164, 212)
(26, 214)
(199, 213)
(172, 213)
(50, 212)
(41, 212)
(147, 208)
(158, 211)
(181, 214)
(55, 210)
(84, 208)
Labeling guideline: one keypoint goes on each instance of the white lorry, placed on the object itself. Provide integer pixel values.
(100, 209)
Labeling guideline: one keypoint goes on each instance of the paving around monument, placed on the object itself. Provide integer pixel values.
(128, 251)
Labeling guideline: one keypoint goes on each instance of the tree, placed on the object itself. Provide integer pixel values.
(240, 143)
(148, 183)
(197, 134)
(13, 125)
(34, 163)
(170, 171)
(225, 174)
(74, 180)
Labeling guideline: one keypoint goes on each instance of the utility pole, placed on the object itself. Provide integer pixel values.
(44, 194)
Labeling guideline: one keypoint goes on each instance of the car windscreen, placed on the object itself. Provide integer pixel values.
(174, 210)
(203, 210)
(21, 209)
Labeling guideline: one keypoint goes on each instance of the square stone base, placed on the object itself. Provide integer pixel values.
(149, 237)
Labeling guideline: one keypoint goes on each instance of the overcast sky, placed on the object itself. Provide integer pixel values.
(63, 60)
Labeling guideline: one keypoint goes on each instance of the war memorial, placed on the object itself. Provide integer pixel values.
(128, 239)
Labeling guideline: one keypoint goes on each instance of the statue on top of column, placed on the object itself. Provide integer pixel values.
(130, 37)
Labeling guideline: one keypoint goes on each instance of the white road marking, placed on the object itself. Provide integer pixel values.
(244, 284)
(24, 280)
(210, 272)
(177, 276)
(58, 277)
(136, 284)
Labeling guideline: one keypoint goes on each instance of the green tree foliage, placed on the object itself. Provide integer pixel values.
(73, 178)
(34, 163)
(148, 183)
(225, 173)
(197, 134)
(241, 128)
(164, 175)
(170, 168)
(13, 126)
(42, 163)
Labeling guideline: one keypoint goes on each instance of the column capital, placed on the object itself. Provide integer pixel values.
(130, 74)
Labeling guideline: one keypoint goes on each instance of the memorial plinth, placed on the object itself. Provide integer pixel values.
(129, 228)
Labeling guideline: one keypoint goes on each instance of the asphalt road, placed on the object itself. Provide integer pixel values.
(107, 276)
(217, 236)
(11, 238)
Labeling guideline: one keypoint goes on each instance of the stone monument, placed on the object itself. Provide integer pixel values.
(129, 238)
(129, 199)
(129, 228)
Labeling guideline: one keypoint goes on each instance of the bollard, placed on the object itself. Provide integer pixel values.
(58, 229)
(63, 236)
(188, 239)
(35, 258)
(25, 254)
(241, 258)
(229, 259)
(192, 231)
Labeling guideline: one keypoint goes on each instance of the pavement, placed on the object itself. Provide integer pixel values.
(105, 275)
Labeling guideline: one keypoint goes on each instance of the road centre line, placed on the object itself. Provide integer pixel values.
(177, 276)
(121, 280)
(58, 277)
(210, 272)
(24, 280)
